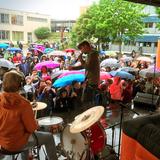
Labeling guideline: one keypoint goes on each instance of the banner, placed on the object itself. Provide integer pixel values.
(158, 56)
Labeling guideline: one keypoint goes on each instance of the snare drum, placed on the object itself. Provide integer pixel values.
(74, 145)
(51, 124)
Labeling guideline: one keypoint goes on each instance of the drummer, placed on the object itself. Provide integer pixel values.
(17, 121)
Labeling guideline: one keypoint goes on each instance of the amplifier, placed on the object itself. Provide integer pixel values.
(145, 100)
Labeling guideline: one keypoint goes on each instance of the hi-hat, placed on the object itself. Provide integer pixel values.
(86, 119)
(38, 106)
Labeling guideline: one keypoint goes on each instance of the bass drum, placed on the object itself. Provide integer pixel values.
(74, 145)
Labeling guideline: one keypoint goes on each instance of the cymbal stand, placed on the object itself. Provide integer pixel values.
(121, 121)
(87, 134)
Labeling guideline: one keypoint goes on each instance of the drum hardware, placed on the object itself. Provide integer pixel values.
(51, 124)
(87, 124)
(73, 145)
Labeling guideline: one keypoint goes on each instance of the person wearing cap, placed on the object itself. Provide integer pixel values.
(18, 124)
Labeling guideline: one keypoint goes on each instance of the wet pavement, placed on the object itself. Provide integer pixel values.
(112, 115)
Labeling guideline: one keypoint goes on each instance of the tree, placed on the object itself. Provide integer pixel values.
(110, 21)
(42, 32)
(158, 13)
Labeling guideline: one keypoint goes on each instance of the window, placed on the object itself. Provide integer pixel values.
(132, 43)
(36, 19)
(147, 44)
(17, 19)
(4, 35)
(155, 44)
(17, 36)
(149, 25)
(4, 18)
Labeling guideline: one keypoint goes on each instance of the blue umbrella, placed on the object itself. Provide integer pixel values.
(128, 69)
(122, 74)
(14, 49)
(4, 45)
(67, 80)
(102, 52)
(48, 50)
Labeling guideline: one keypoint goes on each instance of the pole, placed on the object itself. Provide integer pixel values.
(121, 121)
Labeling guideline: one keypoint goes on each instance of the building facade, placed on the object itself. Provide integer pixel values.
(146, 43)
(20, 26)
(62, 25)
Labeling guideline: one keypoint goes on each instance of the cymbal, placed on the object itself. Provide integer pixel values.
(86, 119)
(38, 106)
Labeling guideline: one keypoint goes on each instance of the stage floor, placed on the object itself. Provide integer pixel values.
(112, 114)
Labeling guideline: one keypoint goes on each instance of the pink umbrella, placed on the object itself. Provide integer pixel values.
(48, 64)
(105, 75)
(71, 72)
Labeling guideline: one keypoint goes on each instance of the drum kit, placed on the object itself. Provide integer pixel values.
(83, 139)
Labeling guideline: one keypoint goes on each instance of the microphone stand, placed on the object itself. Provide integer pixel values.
(123, 106)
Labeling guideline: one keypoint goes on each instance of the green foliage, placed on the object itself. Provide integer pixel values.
(158, 12)
(42, 32)
(110, 21)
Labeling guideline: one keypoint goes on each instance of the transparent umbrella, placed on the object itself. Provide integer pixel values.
(111, 62)
(150, 72)
(7, 64)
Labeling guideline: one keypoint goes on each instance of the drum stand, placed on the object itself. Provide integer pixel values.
(122, 106)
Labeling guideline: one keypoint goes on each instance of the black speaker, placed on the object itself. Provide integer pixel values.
(147, 101)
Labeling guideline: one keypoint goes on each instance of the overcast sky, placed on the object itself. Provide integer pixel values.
(58, 9)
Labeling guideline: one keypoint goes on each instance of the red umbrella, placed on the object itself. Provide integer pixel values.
(70, 50)
(105, 75)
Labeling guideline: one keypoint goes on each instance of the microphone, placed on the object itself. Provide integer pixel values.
(78, 57)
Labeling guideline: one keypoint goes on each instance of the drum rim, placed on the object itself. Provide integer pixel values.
(42, 118)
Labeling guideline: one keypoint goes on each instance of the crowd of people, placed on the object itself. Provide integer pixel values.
(37, 85)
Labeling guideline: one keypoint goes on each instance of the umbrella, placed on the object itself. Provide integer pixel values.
(104, 75)
(48, 64)
(70, 50)
(71, 73)
(48, 50)
(102, 52)
(7, 64)
(128, 69)
(126, 59)
(143, 58)
(57, 73)
(150, 72)
(41, 47)
(122, 74)
(57, 53)
(111, 62)
(13, 49)
(67, 80)
(4, 45)
(35, 49)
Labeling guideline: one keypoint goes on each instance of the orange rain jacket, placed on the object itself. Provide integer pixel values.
(17, 121)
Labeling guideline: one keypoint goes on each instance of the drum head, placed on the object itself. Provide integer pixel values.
(74, 144)
(48, 121)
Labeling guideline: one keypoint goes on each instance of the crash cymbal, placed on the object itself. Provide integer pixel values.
(38, 106)
(86, 119)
